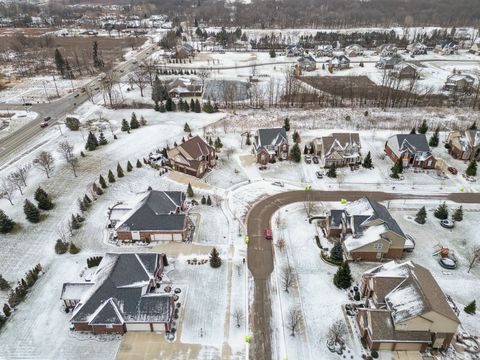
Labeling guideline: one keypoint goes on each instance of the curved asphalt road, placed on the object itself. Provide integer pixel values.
(260, 253)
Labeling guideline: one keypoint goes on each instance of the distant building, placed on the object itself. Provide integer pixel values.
(270, 144)
(459, 83)
(339, 62)
(405, 309)
(447, 48)
(354, 50)
(324, 50)
(404, 70)
(475, 49)
(294, 50)
(185, 87)
(389, 61)
(464, 145)
(413, 149)
(386, 50)
(341, 149)
(417, 48)
(307, 63)
(194, 157)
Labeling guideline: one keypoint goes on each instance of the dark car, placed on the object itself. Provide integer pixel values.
(319, 175)
(44, 124)
(268, 234)
(27, 104)
(452, 170)
(315, 159)
(47, 118)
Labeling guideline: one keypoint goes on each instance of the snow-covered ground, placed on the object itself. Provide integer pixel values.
(12, 120)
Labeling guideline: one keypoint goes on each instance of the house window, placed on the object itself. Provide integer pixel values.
(109, 326)
(378, 246)
(379, 255)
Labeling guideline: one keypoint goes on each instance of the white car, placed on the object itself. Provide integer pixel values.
(278, 183)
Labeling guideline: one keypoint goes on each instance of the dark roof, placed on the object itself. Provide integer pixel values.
(336, 218)
(271, 136)
(384, 330)
(413, 142)
(196, 147)
(381, 212)
(118, 294)
(159, 210)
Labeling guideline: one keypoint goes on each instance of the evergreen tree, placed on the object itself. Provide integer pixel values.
(421, 216)
(103, 183)
(204, 201)
(186, 108)
(296, 137)
(4, 285)
(74, 223)
(218, 143)
(81, 205)
(473, 126)
(210, 141)
(471, 308)
(305, 150)
(61, 247)
(192, 105)
(458, 214)
(190, 191)
(73, 249)
(413, 131)
(332, 171)
(472, 168)
(92, 142)
(336, 253)
(295, 153)
(423, 128)
(59, 62)
(186, 128)
(68, 71)
(134, 124)
(441, 212)
(207, 107)
(97, 58)
(248, 141)
(129, 166)
(125, 126)
(433, 142)
(397, 168)
(102, 140)
(209, 201)
(139, 164)
(161, 108)
(119, 171)
(6, 310)
(6, 224)
(215, 261)
(31, 212)
(272, 53)
(367, 162)
(169, 104)
(343, 277)
(159, 92)
(198, 108)
(111, 178)
(43, 199)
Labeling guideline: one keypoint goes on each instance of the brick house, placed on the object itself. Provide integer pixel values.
(157, 216)
(122, 296)
(404, 309)
(340, 148)
(183, 87)
(367, 230)
(194, 157)
(413, 149)
(464, 145)
(270, 144)
(404, 70)
(388, 62)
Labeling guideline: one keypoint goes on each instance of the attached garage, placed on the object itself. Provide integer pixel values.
(408, 346)
(138, 327)
(158, 327)
(161, 237)
(177, 237)
(383, 346)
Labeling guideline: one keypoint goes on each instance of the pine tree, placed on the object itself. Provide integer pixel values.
(473, 126)
(305, 150)
(471, 308)
(4, 285)
(190, 191)
(119, 171)
(343, 277)
(421, 216)
(59, 62)
(186, 128)
(198, 108)
(92, 142)
(247, 140)
(31, 212)
(97, 189)
(458, 214)
(81, 205)
(397, 168)
(332, 171)
(43, 199)
(73, 249)
(215, 261)
(296, 137)
(207, 107)
(337, 252)
(186, 108)
(209, 201)
(472, 168)
(139, 164)
(129, 166)
(134, 124)
(111, 178)
(433, 142)
(441, 212)
(61, 247)
(286, 124)
(367, 162)
(74, 223)
(218, 143)
(423, 128)
(6, 310)
(272, 53)
(413, 131)
(161, 108)
(102, 140)
(210, 141)
(204, 201)
(97, 58)
(192, 105)
(295, 153)
(169, 104)
(125, 125)
(6, 224)
(103, 183)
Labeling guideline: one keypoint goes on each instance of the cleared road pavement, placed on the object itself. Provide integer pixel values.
(260, 251)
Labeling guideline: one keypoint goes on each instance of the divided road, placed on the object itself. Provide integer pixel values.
(260, 251)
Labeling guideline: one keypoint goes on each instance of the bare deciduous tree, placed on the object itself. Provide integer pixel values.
(140, 79)
(473, 257)
(294, 319)
(336, 332)
(288, 278)
(309, 207)
(237, 316)
(45, 162)
(7, 189)
(66, 149)
(203, 75)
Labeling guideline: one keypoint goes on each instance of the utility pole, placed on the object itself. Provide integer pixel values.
(56, 88)
(45, 89)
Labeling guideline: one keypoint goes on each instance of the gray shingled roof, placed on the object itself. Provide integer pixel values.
(381, 212)
(413, 142)
(120, 280)
(156, 212)
(272, 136)
(336, 218)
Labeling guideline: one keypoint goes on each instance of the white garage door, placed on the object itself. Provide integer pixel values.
(135, 235)
(158, 327)
(138, 327)
(162, 237)
(177, 237)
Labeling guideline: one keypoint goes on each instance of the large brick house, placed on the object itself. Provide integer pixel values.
(123, 295)
(464, 145)
(367, 230)
(157, 216)
(194, 157)
(270, 144)
(413, 149)
(404, 309)
(340, 148)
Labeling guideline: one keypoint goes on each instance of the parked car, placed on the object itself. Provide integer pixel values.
(308, 159)
(452, 170)
(447, 223)
(268, 234)
(315, 159)
(278, 183)
(77, 95)
(409, 243)
(44, 124)
(27, 104)
(47, 118)
(470, 178)
(319, 175)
